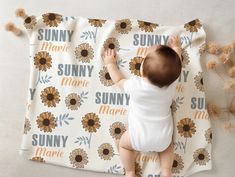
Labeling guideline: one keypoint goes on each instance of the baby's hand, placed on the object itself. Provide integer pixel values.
(109, 57)
(174, 41)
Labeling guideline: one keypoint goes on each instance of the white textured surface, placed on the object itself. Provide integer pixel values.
(217, 16)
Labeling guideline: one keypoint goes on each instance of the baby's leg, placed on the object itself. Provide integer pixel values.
(166, 161)
(127, 154)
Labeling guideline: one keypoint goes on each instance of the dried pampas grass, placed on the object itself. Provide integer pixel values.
(9, 26)
(224, 57)
(228, 126)
(12, 28)
(232, 107)
(211, 64)
(21, 13)
(227, 48)
(213, 110)
(213, 48)
(229, 85)
(231, 71)
(233, 44)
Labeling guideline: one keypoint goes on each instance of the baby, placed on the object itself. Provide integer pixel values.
(150, 123)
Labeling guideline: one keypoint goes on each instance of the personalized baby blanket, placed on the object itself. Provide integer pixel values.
(75, 114)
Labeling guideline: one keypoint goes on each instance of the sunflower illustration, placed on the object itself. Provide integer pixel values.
(73, 101)
(193, 26)
(38, 159)
(186, 127)
(134, 65)
(96, 22)
(50, 96)
(52, 19)
(27, 126)
(198, 80)
(30, 22)
(84, 52)
(42, 60)
(91, 122)
(105, 78)
(105, 151)
(123, 26)
(111, 43)
(208, 135)
(147, 26)
(78, 158)
(185, 58)
(46, 122)
(178, 164)
(117, 129)
(201, 156)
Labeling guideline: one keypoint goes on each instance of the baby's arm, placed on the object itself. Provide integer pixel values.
(175, 44)
(110, 60)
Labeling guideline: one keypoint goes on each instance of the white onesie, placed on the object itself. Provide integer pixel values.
(150, 122)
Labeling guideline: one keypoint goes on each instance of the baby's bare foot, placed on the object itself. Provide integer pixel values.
(130, 174)
(166, 173)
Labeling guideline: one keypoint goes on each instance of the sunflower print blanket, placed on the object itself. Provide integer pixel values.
(75, 114)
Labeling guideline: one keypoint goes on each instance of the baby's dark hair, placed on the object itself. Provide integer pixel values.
(162, 66)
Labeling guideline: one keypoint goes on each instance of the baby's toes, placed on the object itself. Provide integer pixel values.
(130, 174)
(166, 173)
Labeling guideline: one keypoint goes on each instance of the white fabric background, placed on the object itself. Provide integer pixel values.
(218, 21)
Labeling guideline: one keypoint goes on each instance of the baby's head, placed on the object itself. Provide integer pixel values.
(161, 66)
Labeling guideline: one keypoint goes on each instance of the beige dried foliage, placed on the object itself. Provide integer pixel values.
(232, 107)
(229, 85)
(231, 71)
(233, 44)
(213, 110)
(213, 48)
(20, 12)
(228, 126)
(224, 58)
(211, 64)
(227, 48)
(10, 26)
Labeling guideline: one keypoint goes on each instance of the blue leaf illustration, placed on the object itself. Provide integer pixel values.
(45, 79)
(114, 169)
(88, 34)
(82, 140)
(179, 145)
(65, 18)
(179, 100)
(63, 118)
(60, 122)
(83, 96)
(121, 63)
